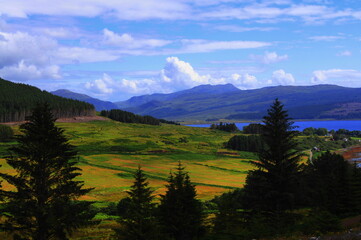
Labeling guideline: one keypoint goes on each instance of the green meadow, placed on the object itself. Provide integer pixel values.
(109, 152)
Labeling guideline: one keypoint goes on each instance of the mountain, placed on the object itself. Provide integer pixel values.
(228, 102)
(17, 101)
(201, 91)
(98, 104)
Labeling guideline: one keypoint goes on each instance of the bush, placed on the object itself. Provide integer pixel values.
(6, 133)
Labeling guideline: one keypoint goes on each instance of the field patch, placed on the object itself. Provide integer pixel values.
(110, 152)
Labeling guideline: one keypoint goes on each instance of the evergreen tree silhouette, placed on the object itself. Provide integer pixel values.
(273, 186)
(180, 212)
(137, 220)
(43, 204)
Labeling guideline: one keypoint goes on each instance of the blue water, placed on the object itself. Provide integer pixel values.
(330, 125)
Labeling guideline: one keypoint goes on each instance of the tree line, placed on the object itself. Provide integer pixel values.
(129, 117)
(18, 100)
(280, 196)
(227, 127)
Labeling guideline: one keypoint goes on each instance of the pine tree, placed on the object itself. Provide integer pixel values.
(272, 187)
(44, 205)
(137, 220)
(180, 212)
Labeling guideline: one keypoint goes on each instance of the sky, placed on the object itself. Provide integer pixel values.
(116, 49)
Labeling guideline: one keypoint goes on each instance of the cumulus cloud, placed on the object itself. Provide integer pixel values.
(127, 41)
(331, 75)
(282, 78)
(180, 73)
(104, 85)
(243, 80)
(26, 57)
(176, 75)
(269, 58)
(22, 71)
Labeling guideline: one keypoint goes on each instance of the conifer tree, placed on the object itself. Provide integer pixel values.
(180, 212)
(272, 187)
(43, 205)
(137, 220)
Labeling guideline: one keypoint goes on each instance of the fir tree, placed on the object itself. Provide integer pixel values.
(180, 212)
(43, 204)
(273, 186)
(137, 218)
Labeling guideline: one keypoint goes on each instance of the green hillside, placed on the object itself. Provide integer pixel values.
(17, 100)
(111, 151)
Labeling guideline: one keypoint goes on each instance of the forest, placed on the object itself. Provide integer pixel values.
(17, 101)
(128, 117)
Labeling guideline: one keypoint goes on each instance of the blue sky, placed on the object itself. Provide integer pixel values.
(116, 49)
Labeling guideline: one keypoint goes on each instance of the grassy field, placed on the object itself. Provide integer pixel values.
(109, 152)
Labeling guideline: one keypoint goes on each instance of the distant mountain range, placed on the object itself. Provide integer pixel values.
(98, 104)
(214, 102)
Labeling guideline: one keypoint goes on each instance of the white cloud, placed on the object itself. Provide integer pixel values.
(282, 78)
(343, 75)
(235, 28)
(181, 74)
(23, 72)
(243, 80)
(177, 9)
(269, 58)
(127, 41)
(209, 46)
(66, 55)
(106, 86)
(103, 85)
(59, 32)
(127, 10)
(176, 75)
(41, 56)
(345, 53)
(325, 38)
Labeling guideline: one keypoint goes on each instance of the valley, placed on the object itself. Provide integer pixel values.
(109, 152)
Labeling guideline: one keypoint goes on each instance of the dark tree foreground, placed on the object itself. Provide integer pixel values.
(272, 187)
(180, 212)
(43, 204)
(137, 221)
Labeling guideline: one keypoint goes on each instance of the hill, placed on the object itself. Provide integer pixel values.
(98, 104)
(200, 91)
(17, 100)
(227, 102)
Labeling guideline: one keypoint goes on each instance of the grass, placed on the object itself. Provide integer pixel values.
(110, 152)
